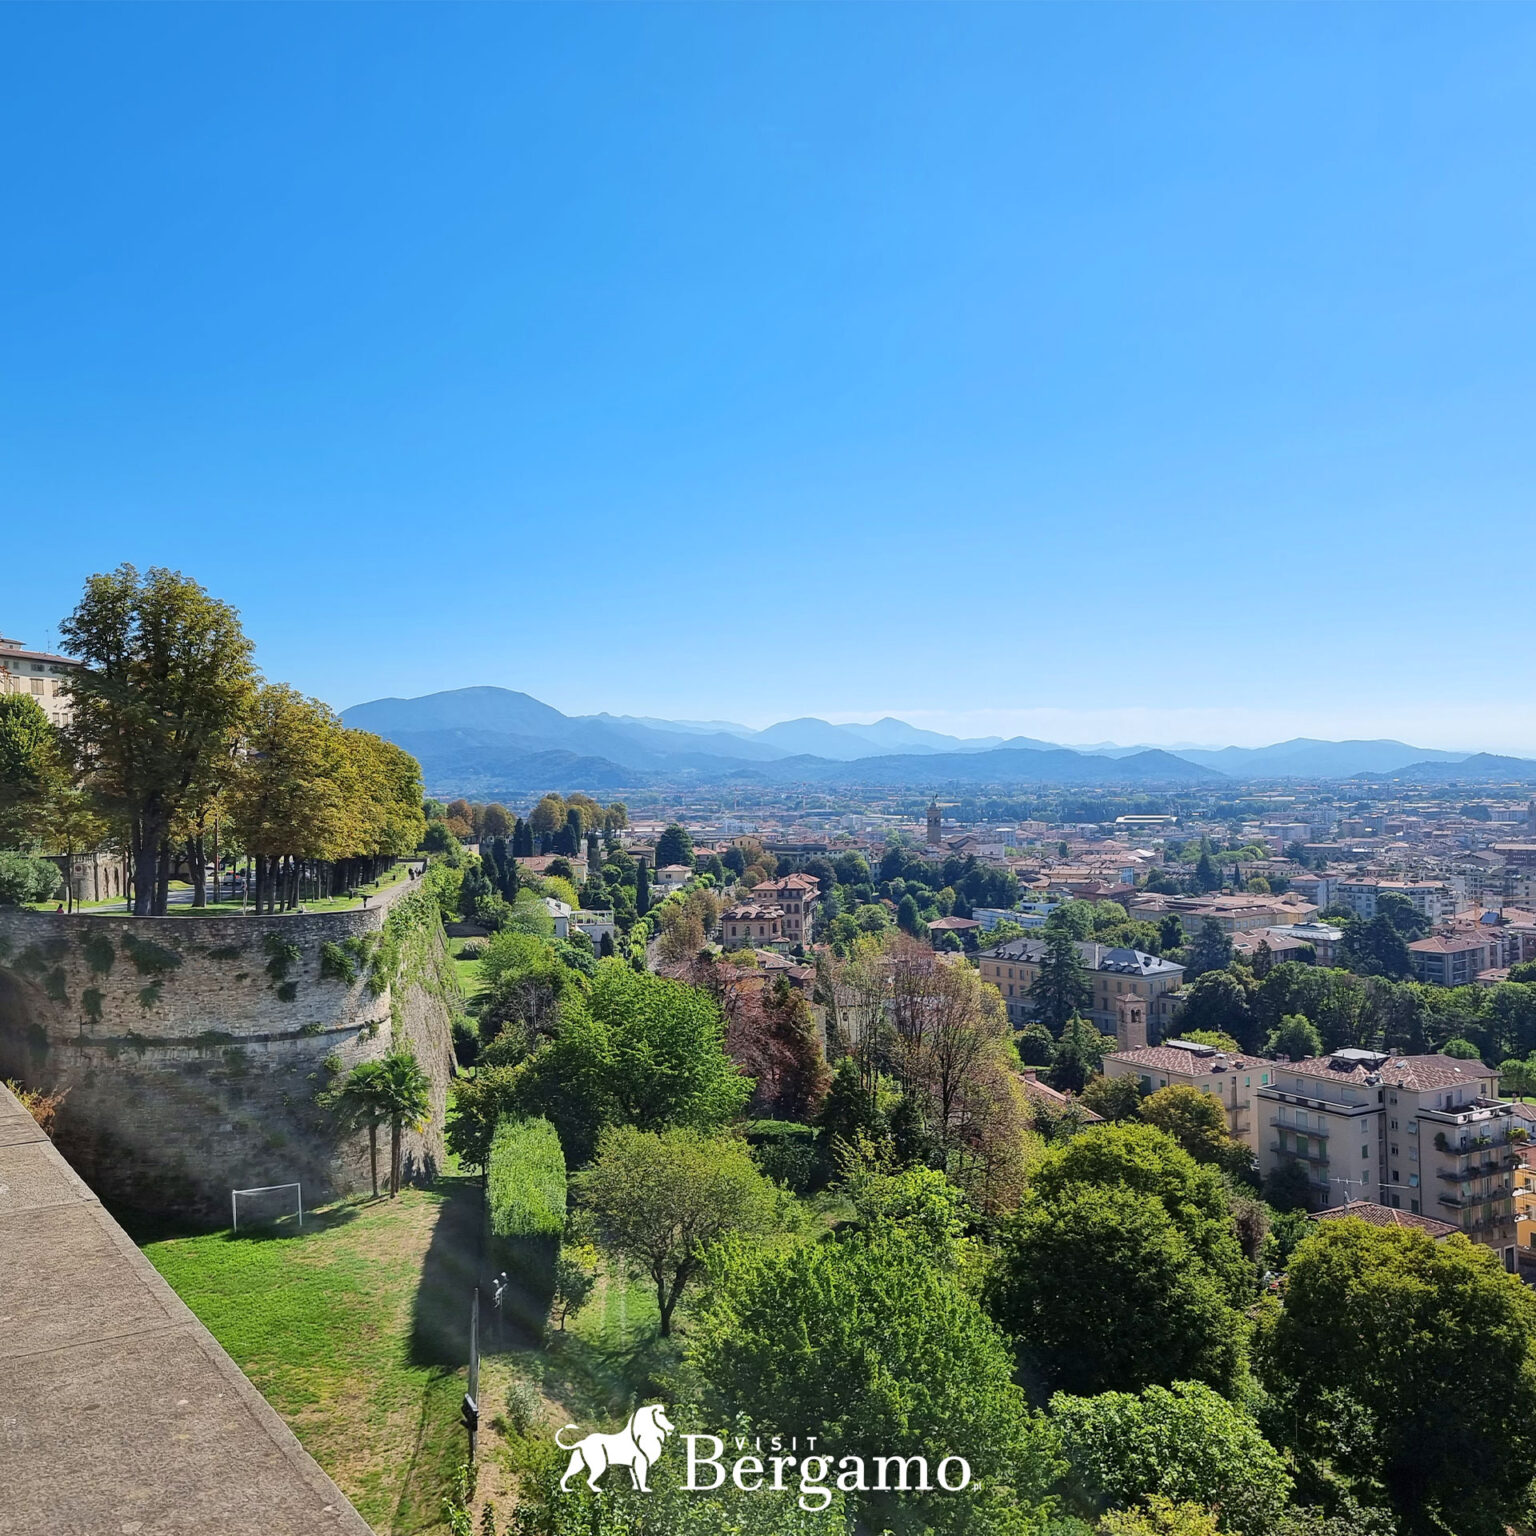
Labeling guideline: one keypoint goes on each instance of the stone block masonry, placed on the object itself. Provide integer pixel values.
(192, 1049)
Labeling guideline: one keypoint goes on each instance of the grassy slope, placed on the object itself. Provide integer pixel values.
(356, 1332)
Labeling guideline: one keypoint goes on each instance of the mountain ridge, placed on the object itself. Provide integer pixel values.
(476, 737)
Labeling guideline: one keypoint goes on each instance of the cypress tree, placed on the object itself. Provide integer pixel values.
(642, 888)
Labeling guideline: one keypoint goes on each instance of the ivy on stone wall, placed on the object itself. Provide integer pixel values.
(53, 985)
(227, 952)
(150, 995)
(90, 1001)
(282, 955)
(336, 964)
(99, 953)
(149, 958)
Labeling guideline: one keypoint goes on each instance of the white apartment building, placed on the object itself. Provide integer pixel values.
(1438, 900)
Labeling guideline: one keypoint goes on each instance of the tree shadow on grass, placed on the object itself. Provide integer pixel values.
(449, 1274)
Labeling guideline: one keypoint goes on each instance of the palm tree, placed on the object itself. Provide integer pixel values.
(358, 1100)
(404, 1094)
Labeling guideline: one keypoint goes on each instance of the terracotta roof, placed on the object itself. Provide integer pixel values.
(1043, 1093)
(952, 924)
(1416, 1072)
(1170, 1058)
(751, 909)
(790, 883)
(1449, 943)
(1386, 1216)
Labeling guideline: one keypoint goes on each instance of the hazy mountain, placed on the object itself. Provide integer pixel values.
(1480, 767)
(1007, 765)
(894, 735)
(496, 740)
(1304, 758)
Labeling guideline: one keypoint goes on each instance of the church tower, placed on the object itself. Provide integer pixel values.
(935, 824)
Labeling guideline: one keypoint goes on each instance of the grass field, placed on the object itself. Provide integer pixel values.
(468, 971)
(356, 1331)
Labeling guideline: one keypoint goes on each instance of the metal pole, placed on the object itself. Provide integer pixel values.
(234, 1214)
(301, 1207)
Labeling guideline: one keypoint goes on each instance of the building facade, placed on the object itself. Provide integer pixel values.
(1232, 1080)
(1425, 1134)
(795, 897)
(38, 673)
(1113, 972)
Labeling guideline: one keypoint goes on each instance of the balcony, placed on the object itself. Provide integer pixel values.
(1319, 1156)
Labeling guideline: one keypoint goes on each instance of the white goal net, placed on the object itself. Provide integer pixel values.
(265, 1205)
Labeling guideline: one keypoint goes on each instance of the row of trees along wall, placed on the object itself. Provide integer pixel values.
(191, 1051)
(176, 750)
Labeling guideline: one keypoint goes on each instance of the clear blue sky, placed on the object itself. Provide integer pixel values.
(1154, 373)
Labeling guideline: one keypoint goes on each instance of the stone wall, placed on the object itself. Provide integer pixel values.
(192, 1048)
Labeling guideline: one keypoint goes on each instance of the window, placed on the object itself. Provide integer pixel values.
(1413, 1181)
(37, 685)
(1365, 1154)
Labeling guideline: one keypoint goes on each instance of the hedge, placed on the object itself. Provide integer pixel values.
(525, 1180)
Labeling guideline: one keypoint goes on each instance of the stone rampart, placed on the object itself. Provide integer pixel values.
(192, 1049)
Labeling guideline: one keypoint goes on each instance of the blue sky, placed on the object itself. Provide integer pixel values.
(1159, 373)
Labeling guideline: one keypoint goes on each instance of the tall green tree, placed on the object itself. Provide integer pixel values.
(164, 689)
(1211, 951)
(1411, 1363)
(1294, 1038)
(1078, 1055)
(358, 1102)
(1184, 1442)
(642, 888)
(1104, 1293)
(659, 1198)
(874, 1338)
(1062, 988)
(31, 765)
(640, 1050)
(674, 846)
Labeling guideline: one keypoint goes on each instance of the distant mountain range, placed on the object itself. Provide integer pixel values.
(495, 740)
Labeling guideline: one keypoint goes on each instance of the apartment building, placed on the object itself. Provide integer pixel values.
(1113, 971)
(1453, 959)
(1233, 1080)
(39, 673)
(795, 896)
(1424, 1134)
(1438, 900)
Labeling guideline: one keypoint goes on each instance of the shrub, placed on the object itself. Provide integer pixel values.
(336, 964)
(99, 953)
(24, 879)
(525, 1211)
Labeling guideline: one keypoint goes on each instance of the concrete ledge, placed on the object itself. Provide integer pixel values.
(120, 1415)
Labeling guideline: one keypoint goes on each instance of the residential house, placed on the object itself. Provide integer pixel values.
(795, 896)
(1438, 900)
(1453, 959)
(1385, 1216)
(751, 924)
(1233, 1080)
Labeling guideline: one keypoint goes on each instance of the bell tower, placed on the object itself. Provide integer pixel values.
(935, 823)
(1130, 1021)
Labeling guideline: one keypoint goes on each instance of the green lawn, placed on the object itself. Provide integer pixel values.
(356, 1331)
(468, 971)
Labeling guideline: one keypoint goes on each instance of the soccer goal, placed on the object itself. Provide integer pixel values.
(265, 1203)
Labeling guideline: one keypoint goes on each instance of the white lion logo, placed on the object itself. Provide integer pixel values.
(636, 1446)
